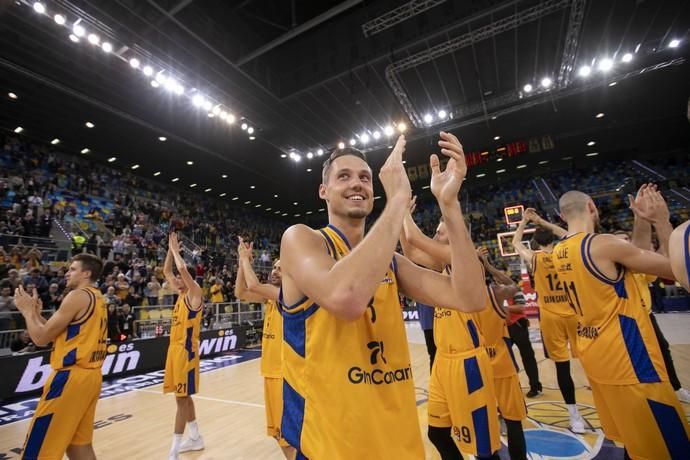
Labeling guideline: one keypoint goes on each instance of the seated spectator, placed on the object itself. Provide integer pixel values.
(121, 287)
(53, 298)
(126, 323)
(110, 297)
(13, 279)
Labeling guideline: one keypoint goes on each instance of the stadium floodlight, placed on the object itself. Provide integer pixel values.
(78, 30)
(310, 155)
(605, 65)
(12, 95)
(134, 62)
(364, 138)
(527, 88)
(59, 19)
(497, 138)
(156, 174)
(244, 126)
(600, 115)
(341, 145)
(162, 138)
(428, 118)
(230, 119)
(546, 82)
(353, 141)
(135, 166)
(84, 151)
(18, 129)
(74, 38)
(55, 141)
(39, 8)
(388, 130)
(216, 110)
(89, 125)
(442, 114)
(107, 47)
(591, 143)
(192, 185)
(584, 71)
(175, 179)
(402, 127)
(207, 105)
(297, 157)
(377, 135)
(198, 100)
(627, 57)
(178, 89)
(319, 152)
(190, 162)
(148, 70)
(155, 84)
(250, 130)
(111, 159)
(94, 39)
(674, 43)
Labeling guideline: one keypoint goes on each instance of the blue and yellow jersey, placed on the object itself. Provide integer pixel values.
(549, 288)
(642, 280)
(347, 385)
(492, 325)
(185, 327)
(615, 338)
(83, 343)
(455, 332)
(272, 341)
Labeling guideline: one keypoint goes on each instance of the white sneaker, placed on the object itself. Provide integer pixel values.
(683, 395)
(577, 424)
(190, 444)
(173, 455)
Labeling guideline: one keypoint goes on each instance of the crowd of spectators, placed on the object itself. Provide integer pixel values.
(124, 219)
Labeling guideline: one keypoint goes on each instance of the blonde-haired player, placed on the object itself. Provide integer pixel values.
(617, 346)
(64, 417)
(248, 287)
(348, 390)
(182, 361)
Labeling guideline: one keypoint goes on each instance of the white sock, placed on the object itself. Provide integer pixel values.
(572, 410)
(177, 440)
(193, 429)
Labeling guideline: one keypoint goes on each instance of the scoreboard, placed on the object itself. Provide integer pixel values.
(513, 214)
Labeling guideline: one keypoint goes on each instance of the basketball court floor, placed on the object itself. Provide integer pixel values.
(134, 419)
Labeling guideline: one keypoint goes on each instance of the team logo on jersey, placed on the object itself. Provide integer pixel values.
(378, 376)
(587, 332)
(440, 313)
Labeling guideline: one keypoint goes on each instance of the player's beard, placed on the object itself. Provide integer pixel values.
(357, 213)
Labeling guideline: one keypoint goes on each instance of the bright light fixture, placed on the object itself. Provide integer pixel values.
(55, 141)
(74, 38)
(442, 114)
(85, 151)
(543, 162)
(223, 194)
(605, 65)
(592, 154)
(175, 179)
(155, 84)
(500, 171)
(428, 118)
(376, 135)
(18, 129)
(224, 176)
(162, 138)
(674, 43)
(546, 82)
(388, 130)
(230, 119)
(310, 155)
(364, 138)
(600, 115)
(207, 105)
(341, 145)
(584, 71)
(591, 143)
(88, 124)
(402, 127)
(190, 162)
(251, 138)
(250, 130)
(319, 152)
(353, 141)
(627, 57)
(156, 174)
(148, 70)
(134, 62)
(106, 47)
(282, 155)
(497, 138)
(527, 88)
(252, 187)
(244, 126)
(135, 166)
(94, 39)
(12, 95)
(59, 19)
(111, 159)
(521, 166)
(39, 8)
(192, 185)
(208, 190)
(481, 175)
(78, 29)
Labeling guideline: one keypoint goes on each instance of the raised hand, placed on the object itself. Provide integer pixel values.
(649, 204)
(446, 185)
(25, 302)
(530, 215)
(483, 254)
(245, 250)
(393, 176)
(173, 243)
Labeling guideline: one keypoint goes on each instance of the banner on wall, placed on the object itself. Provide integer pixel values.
(25, 375)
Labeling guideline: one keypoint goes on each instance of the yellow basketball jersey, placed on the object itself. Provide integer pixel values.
(347, 385)
(549, 288)
(642, 280)
(272, 341)
(185, 327)
(83, 343)
(616, 341)
(492, 325)
(455, 332)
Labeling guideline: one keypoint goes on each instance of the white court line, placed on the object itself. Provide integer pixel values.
(208, 398)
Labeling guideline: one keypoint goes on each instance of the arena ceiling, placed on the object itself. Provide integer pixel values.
(307, 75)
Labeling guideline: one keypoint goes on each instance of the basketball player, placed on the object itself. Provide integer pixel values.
(182, 361)
(616, 343)
(64, 417)
(249, 288)
(463, 335)
(648, 207)
(348, 389)
(679, 251)
(557, 320)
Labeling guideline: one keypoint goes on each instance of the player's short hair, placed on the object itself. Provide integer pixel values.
(337, 153)
(543, 236)
(90, 263)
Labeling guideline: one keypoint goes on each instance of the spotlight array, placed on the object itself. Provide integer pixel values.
(79, 29)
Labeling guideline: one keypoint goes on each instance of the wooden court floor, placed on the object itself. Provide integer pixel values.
(230, 411)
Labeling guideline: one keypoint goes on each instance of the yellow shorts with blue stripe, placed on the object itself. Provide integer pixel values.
(65, 413)
(556, 333)
(645, 417)
(273, 400)
(461, 396)
(181, 373)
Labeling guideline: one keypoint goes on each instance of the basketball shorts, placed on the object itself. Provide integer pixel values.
(273, 399)
(65, 413)
(646, 418)
(511, 402)
(461, 396)
(556, 332)
(181, 373)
